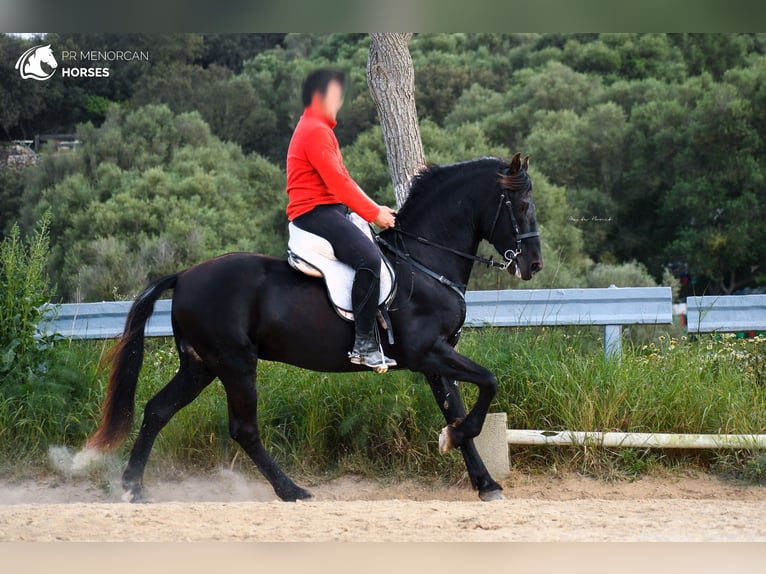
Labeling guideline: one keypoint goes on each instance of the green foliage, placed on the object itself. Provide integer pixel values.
(277, 76)
(228, 104)
(719, 202)
(97, 106)
(713, 53)
(452, 145)
(473, 105)
(553, 379)
(646, 148)
(630, 274)
(157, 193)
(655, 140)
(23, 287)
(39, 387)
(233, 50)
(11, 190)
(20, 102)
(754, 470)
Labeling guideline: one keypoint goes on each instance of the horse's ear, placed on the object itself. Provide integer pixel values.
(525, 164)
(48, 46)
(515, 163)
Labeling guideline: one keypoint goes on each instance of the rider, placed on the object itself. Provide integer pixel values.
(321, 192)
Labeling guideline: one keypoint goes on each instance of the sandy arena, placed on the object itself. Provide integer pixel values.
(229, 506)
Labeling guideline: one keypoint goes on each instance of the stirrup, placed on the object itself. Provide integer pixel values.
(375, 359)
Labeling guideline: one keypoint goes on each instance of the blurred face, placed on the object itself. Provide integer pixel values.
(332, 101)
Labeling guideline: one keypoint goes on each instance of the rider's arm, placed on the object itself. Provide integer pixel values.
(324, 156)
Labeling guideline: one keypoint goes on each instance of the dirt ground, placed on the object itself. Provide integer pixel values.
(229, 506)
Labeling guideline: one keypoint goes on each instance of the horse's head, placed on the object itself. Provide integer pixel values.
(511, 225)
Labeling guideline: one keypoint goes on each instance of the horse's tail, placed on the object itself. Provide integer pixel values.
(127, 358)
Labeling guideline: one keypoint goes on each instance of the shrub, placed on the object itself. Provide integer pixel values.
(41, 389)
(23, 286)
(630, 274)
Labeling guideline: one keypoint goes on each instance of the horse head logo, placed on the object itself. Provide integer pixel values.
(30, 63)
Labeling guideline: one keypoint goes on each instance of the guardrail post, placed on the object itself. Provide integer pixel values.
(613, 339)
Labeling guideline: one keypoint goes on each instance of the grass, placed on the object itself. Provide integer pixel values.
(387, 426)
(318, 424)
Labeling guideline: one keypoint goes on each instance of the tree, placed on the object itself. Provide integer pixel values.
(233, 50)
(661, 135)
(392, 84)
(149, 193)
(27, 107)
(11, 189)
(229, 104)
(717, 201)
(714, 53)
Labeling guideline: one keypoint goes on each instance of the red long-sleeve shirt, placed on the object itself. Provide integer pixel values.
(315, 171)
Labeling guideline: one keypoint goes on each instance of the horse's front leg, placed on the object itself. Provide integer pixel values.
(445, 361)
(450, 402)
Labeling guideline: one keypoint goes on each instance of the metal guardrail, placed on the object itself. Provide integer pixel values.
(555, 307)
(104, 320)
(726, 313)
(612, 307)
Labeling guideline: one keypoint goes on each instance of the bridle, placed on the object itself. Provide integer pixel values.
(510, 256)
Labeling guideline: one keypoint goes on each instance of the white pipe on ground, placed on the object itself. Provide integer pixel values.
(634, 440)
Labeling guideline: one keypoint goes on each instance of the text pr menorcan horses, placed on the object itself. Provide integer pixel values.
(232, 310)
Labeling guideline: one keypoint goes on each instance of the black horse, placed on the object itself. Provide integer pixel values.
(232, 310)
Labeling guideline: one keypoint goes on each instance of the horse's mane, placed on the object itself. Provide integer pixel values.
(425, 182)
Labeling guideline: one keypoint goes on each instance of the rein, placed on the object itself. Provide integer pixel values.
(489, 262)
(510, 255)
(458, 288)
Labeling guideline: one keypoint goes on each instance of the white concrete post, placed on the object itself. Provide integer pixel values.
(492, 444)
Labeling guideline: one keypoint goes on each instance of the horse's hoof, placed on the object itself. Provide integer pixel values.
(132, 496)
(304, 495)
(445, 442)
(296, 495)
(491, 496)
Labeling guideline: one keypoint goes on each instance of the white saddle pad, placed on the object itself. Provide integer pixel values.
(314, 256)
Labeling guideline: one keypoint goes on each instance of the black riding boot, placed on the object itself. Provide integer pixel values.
(364, 298)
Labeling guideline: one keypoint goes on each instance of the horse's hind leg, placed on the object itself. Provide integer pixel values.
(450, 402)
(192, 377)
(238, 377)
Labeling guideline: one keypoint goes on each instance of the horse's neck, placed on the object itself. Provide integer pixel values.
(453, 228)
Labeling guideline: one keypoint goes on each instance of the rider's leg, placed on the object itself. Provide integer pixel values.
(364, 298)
(352, 247)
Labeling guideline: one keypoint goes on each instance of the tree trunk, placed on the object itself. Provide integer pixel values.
(391, 78)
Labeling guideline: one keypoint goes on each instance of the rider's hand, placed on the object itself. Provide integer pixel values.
(386, 217)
